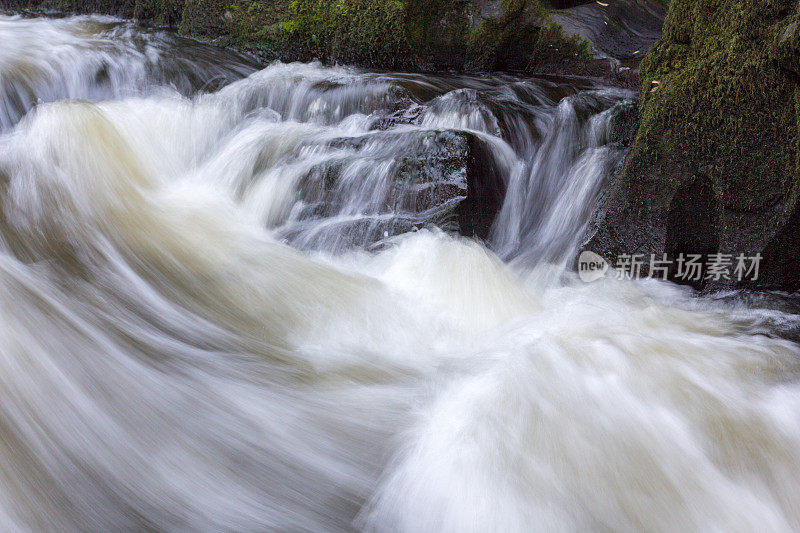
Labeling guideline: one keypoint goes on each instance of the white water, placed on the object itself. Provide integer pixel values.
(188, 342)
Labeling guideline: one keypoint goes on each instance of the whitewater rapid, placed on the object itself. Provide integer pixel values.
(199, 330)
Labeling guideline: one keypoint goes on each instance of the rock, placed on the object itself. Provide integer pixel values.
(159, 12)
(444, 178)
(208, 19)
(520, 35)
(623, 30)
(714, 166)
(118, 8)
(786, 46)
(416, 35)
(624, 123)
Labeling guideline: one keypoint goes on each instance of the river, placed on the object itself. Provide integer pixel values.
(235, 298)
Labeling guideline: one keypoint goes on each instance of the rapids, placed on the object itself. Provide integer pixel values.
(214, 314)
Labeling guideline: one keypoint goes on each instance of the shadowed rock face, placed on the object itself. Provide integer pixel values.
(563, 4)
(694, 201)
(622, 30)
(718, 105)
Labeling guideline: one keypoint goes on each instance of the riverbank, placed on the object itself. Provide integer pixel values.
(523, 36)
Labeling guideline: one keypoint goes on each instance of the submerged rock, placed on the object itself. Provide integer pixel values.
(416, 178)
(714, 166)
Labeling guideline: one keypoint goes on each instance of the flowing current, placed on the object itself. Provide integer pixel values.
(236, 299)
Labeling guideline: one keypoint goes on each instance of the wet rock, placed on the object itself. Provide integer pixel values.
(407, 116)
(119, 8)
(419, 35)
(623, 30)
(416, 178)
(564, 4)
(786, 47)
(624, 123)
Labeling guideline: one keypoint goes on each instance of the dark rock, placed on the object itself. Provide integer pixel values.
(118, 8)
(623, 30)
(520, 35)
(485, 191)
(564, 4)
(418, 35)
(159, 12)
(624, 123)
(444, 178)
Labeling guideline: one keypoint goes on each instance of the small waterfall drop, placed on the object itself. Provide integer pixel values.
(314, 298)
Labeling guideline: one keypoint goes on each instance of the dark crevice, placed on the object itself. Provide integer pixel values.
(693, 227)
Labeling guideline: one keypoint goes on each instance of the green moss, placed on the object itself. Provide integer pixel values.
(388, 34)
(523, 38)
(208, 19)
(713, 96)
(719, 100)
(366, 31)
(376, 33)
(159, 12)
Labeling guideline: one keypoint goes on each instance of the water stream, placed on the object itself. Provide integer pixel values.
(237, 299)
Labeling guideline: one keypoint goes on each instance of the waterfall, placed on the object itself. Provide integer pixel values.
(311, 298)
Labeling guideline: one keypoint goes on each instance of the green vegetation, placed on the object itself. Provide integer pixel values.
(394, 34)
(387, 34)
(523, 38)
(714, 96)
(370, 32)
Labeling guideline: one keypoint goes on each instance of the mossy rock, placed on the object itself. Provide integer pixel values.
(418, 35)
(118, 8)
(209, 19)
(719, 107)
(159, 12)
(523, 38)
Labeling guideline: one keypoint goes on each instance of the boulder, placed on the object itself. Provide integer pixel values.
(414, 178)
(714, 165)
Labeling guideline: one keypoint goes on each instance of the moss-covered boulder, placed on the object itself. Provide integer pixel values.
(206, 19)
(714, 166)
(118, 8)
(159, 12)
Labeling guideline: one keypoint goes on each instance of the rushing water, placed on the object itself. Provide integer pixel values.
(216, 313)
